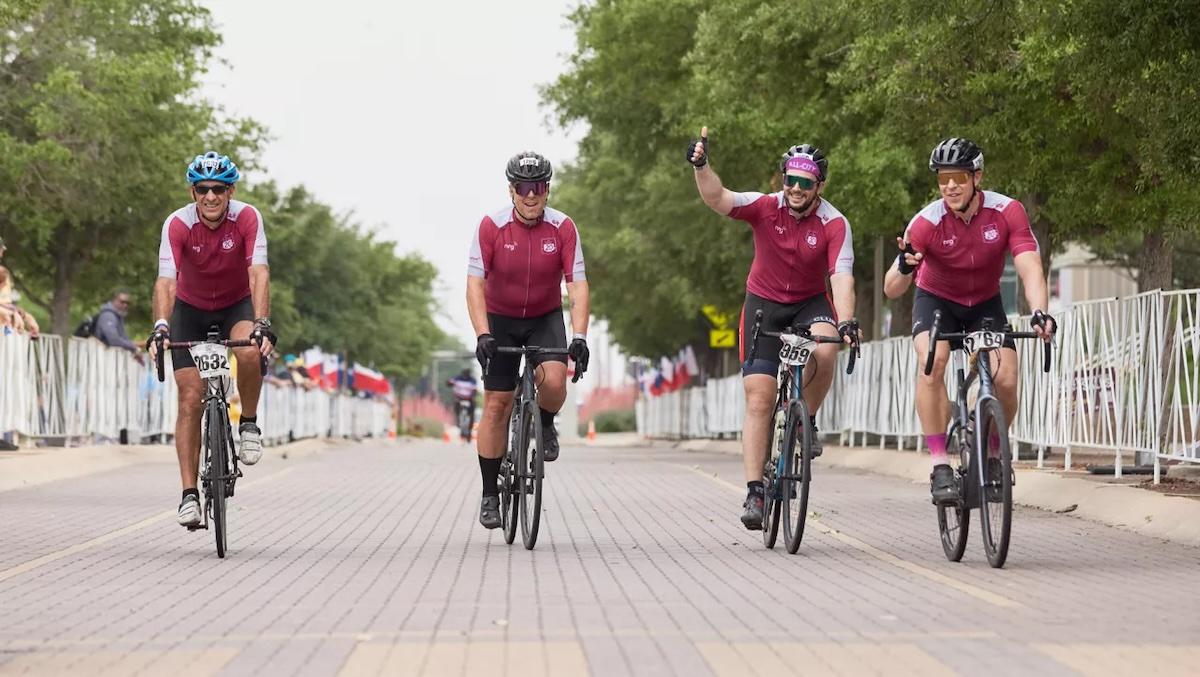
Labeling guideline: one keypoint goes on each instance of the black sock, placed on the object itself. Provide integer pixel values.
(814, 422)
(547, 417)
(489, 469)
(248, 419)
(190, 492)
(755, 488)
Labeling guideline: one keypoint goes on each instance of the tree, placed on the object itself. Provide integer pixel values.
(97, 118)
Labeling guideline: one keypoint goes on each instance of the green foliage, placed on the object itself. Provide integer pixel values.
(99, 115)
(1085, 109)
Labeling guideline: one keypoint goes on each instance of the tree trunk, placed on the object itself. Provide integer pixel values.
(1155, 267)
(865, 307)
(64, 276)
(1043, 230)
(901, 324)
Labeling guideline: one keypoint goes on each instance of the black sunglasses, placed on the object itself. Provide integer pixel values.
(204, 190)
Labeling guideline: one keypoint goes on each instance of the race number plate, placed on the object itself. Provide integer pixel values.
(796, 350)
(977, 341)
(211, 359)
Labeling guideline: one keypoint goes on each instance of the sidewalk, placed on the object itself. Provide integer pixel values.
(39, 465)
(1115, 504)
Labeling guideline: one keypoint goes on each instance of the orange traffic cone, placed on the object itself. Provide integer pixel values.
(445, 433)
(591, 430)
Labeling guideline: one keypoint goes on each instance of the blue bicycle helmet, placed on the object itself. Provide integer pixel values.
(213, 167)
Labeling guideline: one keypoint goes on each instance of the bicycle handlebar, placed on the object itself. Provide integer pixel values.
(188, 345)
(524, 350)
(800, 330)
(935, 336)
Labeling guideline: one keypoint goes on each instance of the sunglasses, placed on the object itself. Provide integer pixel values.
(793, 180)
(535, 187)
(204, 190)
(960, 178)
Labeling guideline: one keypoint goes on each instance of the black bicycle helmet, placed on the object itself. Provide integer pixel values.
(809, 151)
(956, 153)
(528, 166)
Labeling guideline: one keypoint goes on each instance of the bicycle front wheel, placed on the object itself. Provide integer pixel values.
(994, 476)
(797, 450)
(217, 452)
(510, 481)
(531, 467)
(771, 485)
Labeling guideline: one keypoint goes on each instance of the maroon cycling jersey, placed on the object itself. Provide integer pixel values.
(211, 267)
(792, 256)
(524, 266)
(964, 261)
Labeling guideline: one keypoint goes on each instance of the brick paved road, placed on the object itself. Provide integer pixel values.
(366, 559)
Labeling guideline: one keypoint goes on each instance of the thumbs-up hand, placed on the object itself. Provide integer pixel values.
(697, 152)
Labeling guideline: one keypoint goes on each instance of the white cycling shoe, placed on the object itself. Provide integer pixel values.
(250, 448)
(189, 511)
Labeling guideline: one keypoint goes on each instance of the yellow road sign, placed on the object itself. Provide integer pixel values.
(719, 320)
(722, 338)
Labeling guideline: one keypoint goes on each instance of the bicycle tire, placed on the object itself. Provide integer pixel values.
(771, 505)
(995, 506)
(218, 469)
(509, 480)
(798, 442)
(531, 499)
(954, 520)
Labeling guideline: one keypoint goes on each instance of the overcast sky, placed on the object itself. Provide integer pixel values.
(404, 113)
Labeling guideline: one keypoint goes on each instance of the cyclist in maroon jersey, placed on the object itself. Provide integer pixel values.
(956, 246)
(800, 239)
(519, 259)
(212, 269)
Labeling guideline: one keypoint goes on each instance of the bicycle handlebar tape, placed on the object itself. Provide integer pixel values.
(933, 337)
(162, 373)
(1046, 358)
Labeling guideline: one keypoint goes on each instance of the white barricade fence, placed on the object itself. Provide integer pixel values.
(16, 381)
(1180, 423)
(1124, 378)
(79, 388)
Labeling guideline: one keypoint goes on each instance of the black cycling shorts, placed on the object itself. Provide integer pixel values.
(777, 317)
(957, 317)
(547, 331)
(189, 323)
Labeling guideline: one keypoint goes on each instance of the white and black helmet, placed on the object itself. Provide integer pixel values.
(956, 153)
(809, 151)
(528, 166)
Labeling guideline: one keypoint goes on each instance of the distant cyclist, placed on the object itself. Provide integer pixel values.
(956, 246)
(212, 269)
(464, 386)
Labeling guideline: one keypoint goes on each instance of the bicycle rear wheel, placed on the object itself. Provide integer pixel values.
(797, 450)
(954, 519)
(995, 481)
(218, 444)
(531, 466)
(771, 503)
(510, 483)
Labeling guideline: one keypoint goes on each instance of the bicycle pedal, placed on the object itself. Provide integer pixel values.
(197, 527)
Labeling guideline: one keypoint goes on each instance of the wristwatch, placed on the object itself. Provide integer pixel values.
(264, 322)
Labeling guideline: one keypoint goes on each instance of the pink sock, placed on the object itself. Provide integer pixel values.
(937, 448)
(994, 445)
